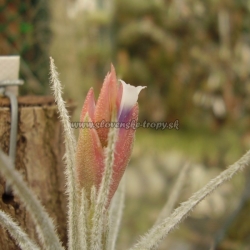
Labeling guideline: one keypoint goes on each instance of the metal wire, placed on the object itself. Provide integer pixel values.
(13, 132)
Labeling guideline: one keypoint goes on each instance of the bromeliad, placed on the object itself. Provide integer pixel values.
(96, 226)
(117, 103)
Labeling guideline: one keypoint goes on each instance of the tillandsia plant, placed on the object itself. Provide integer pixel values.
(94, 167)
(103, 151)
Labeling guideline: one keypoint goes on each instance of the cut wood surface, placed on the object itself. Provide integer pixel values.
(40, 149)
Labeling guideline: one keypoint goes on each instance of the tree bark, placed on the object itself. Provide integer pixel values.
(39, 153)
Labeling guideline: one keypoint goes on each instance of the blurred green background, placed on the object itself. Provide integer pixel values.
(194, 58)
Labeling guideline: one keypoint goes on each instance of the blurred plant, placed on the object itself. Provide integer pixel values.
(92, 223)
(192, 55)
(95, 34)
(25, 30)
(179, 46)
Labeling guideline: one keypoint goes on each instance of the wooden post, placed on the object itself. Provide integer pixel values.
(40, 149)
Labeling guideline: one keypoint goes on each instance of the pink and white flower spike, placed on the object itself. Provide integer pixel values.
(117, 102)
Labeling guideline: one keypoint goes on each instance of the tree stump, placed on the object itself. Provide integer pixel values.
(40, 149)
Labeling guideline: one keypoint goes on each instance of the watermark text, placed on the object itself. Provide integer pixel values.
(133, 124)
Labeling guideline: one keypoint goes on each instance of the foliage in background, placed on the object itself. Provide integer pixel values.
(194, 56)
(24, 30)
(183, 48)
